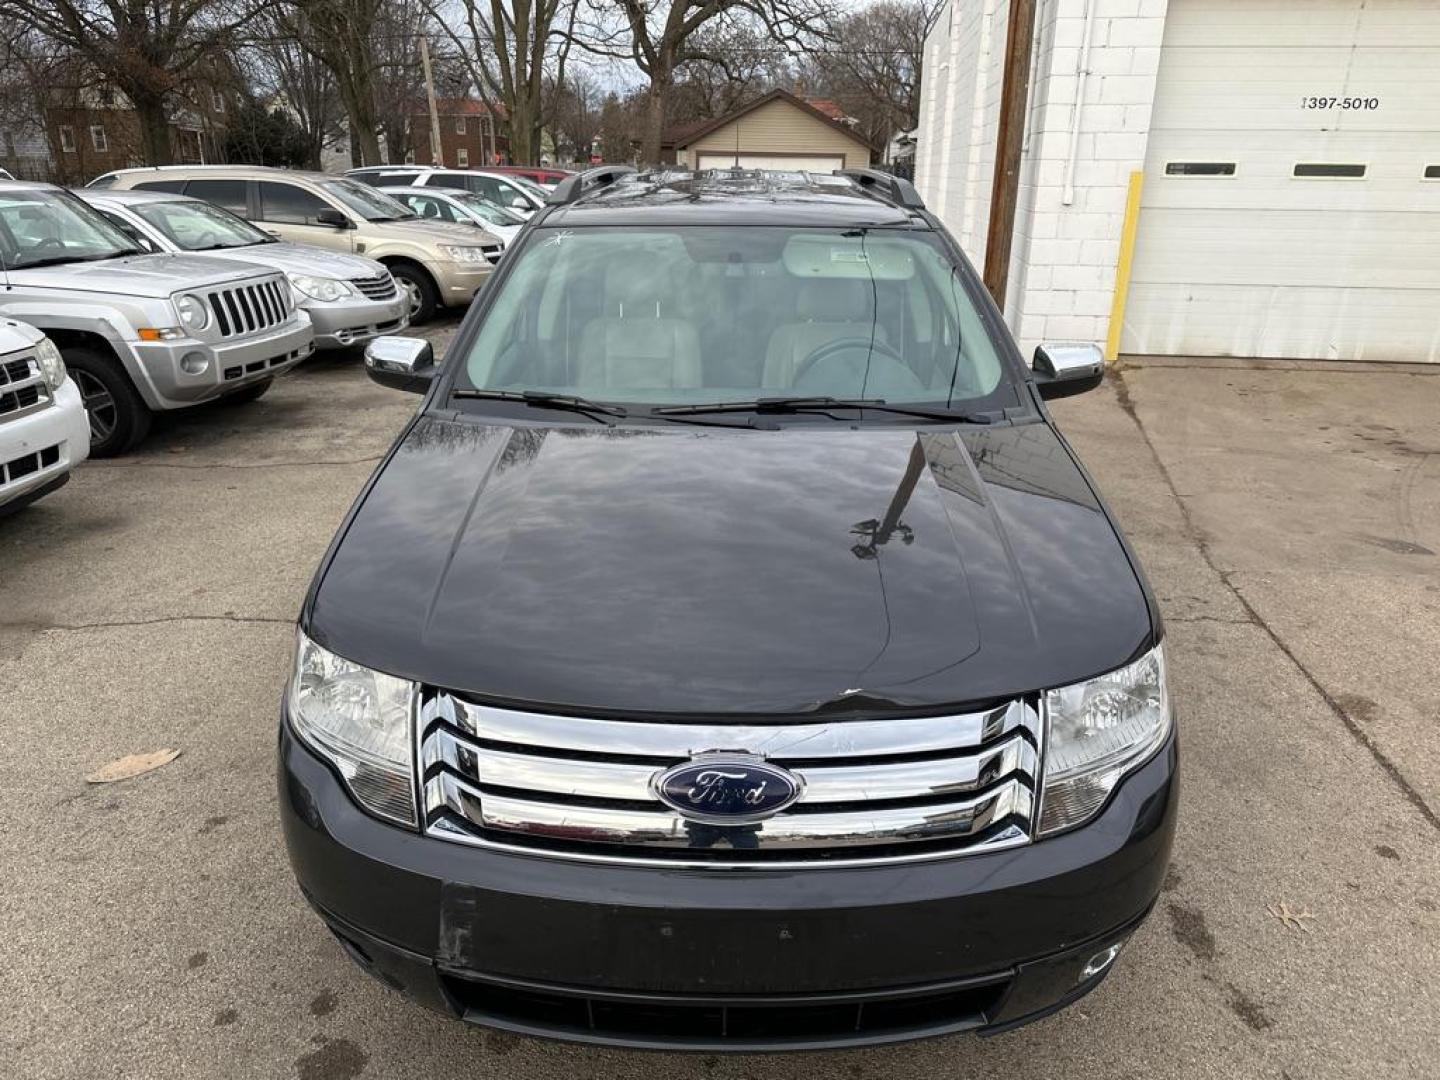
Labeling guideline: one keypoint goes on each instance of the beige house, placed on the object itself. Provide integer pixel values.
(777, 131)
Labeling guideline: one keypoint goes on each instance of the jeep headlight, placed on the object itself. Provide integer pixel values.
(464, 254)
(1098, 731)
(360, 721)
(52, 364)
(194, 315)
(319, 288)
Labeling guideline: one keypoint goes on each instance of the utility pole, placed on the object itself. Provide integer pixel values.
(1008, 144)
(437, 157)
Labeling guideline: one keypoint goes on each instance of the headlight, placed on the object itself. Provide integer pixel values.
(319, 288)
(194, 315)
(52, 364)
(1098, 731)
(464, 254)
(360, 720)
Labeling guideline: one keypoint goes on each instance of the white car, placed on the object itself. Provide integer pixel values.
(44, 432)
(457, 204)
(350, 299)
(514, 193)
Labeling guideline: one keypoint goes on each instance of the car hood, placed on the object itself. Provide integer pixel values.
(302, 259)
(419, 231)
(685, 571)
(138, 275)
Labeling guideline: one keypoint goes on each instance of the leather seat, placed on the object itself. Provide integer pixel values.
(830, 310)
(638, 344)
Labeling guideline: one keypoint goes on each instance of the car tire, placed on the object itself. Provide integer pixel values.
(119, 418)
(416, 283)
(246, 394)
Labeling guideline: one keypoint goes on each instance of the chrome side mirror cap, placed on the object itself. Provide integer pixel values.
(401, 363)
(1066, 368)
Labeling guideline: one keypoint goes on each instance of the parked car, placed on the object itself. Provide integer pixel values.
(437, 265)
(43, 430)
(543, 175)
(141, 333)
(514, 193)
(731, 654)
(349, 298)
(459, 205)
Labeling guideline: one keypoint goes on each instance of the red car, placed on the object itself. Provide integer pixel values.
(537, 173)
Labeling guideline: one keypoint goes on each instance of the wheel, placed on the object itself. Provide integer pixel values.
(246, 394)
(420, 290)
(119, 419)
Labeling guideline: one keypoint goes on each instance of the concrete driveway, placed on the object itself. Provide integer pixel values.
(1289, 520)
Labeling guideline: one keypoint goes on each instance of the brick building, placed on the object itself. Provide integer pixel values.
(473, 134)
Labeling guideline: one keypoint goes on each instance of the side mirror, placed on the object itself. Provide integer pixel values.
(1063, 369)
(332, 217)
(401, 363)
(519, 202)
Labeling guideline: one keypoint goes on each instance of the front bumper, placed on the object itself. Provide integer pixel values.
(38, 451)
(459, 282)
(735, 959)
(342, 323)
(164, 384)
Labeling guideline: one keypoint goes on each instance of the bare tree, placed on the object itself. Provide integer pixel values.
(736, 63)
(145, 48)
(341, 34)
(299, 82)
(662, 36)
(517, 51)
(872, 68)
(577, 112)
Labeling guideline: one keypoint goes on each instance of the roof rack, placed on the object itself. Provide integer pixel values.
(892, 188)
(572, 187)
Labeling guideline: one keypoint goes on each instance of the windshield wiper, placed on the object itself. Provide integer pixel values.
(596, 410)
(822, 403)
(61, 260)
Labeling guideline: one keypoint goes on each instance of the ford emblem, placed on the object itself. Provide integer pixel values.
(726, 789)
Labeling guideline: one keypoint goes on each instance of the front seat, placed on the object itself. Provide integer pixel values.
(830, 309)
(638, 344)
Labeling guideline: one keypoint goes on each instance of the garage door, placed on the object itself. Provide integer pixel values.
(1291, 205)
(772, 161)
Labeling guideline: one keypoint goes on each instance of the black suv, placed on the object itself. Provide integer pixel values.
(731, 654)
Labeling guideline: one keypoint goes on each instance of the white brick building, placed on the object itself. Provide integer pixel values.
(1291, 159)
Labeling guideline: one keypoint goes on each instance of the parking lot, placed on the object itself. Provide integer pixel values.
(1289, 519)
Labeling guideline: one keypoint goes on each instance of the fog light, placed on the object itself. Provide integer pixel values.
(194, 363)
(1100, 961)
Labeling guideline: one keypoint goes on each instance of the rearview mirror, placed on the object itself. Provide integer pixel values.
(401, 363)
(332, 217)
(1063, 368)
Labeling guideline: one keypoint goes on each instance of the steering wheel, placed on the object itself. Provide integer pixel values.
(46, 243)
(895, 366)
(207, 239)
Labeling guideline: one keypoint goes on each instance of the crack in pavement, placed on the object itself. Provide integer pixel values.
(231, 464)
(1194, 534)
(159, 620)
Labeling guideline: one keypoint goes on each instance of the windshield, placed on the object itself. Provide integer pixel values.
(529, 185)
(711, 314)
(43, 228)
(198, 226)
(483, 208)
(370, 204)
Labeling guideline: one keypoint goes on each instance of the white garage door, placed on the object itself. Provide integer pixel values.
(1292, 183)
(772, 161)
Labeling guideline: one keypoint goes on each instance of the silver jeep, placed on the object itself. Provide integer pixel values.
(141, 333)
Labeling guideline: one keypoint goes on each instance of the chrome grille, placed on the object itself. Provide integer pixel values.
(246, 309)
(492, 252)
(22, 387)
(874, 790)
(380, 287)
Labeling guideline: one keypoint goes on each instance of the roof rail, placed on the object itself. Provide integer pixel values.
(892, 188)
(572, 187)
